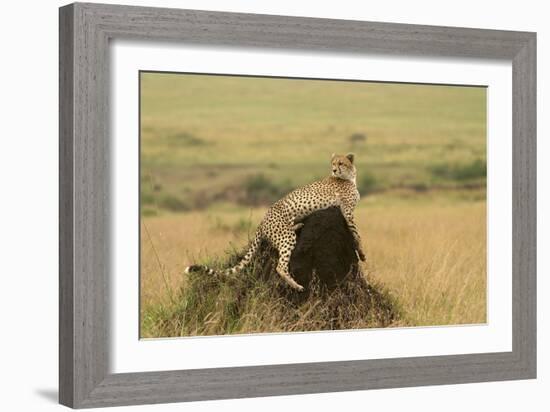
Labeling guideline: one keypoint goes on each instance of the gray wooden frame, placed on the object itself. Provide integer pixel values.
(85, 31)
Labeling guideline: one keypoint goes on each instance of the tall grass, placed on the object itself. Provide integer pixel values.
(426, 263)
(433, 257)
(216, 151)
(252, 303)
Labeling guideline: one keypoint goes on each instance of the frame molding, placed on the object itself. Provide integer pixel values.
(84, 32)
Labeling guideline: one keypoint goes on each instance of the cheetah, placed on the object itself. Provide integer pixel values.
(282, 220)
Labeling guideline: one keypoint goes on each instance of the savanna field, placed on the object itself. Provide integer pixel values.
(216, 151)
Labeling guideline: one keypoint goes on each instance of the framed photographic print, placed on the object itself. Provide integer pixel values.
(257, 205)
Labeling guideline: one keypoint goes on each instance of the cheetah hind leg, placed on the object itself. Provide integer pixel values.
(285, 246)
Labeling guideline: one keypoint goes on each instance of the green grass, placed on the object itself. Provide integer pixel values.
(476, 169)
(204, 138)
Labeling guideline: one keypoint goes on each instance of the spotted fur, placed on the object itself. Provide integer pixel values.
(281, 221)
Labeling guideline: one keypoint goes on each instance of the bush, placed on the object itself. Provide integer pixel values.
(148, 211)
(240, 226)
(420, 187)
(146, 198)
(172, 203)
(368, 184)
(357, 138)
(260, 190)
(477, 169)
(149, 189)
(186, 139)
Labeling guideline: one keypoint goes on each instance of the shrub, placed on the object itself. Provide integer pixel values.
(186, 139)
(146, 198)
(368, 184)
(240, 226)
(356, 138)
(172, 203)
(475, 170)
(420, 187)
(149, 188)
(260, 190)
(148, 211)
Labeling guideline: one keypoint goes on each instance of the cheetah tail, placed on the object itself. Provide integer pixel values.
(249, 255)
(243, 262)
(200, 268)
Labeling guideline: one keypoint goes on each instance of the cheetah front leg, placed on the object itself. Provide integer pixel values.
(348, 215)
(285, 245)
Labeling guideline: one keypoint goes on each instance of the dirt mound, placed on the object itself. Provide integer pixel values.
(336, 295)
(324, 255)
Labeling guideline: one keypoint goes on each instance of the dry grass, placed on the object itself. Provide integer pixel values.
(213, 146)
(432, 258)
(250, 304)
(426, 255)
(182, 239)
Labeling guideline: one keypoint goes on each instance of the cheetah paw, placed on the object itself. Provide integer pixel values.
(297, 226)
(295, 285)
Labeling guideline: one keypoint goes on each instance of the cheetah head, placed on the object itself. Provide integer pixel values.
(343, 167)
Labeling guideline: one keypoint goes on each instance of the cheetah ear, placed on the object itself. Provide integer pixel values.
(351, 157)
(333, 156)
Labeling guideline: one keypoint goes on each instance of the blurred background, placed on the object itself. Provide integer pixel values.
(247, 141)
(216, 151)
